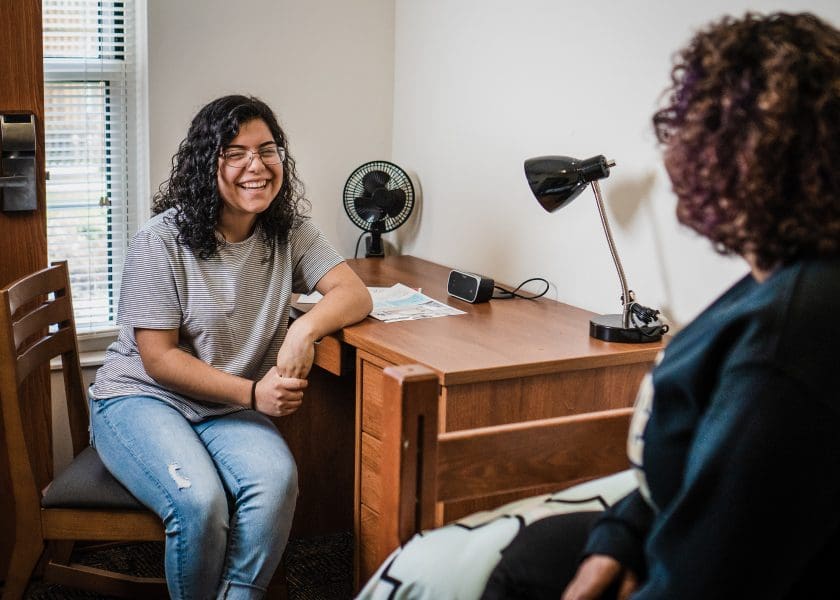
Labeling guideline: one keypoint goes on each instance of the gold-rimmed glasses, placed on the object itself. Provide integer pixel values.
(240, 157)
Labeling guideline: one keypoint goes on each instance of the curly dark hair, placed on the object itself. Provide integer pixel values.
(192, 188)
(751, 129)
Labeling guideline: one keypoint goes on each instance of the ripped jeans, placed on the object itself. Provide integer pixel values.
(225, 489)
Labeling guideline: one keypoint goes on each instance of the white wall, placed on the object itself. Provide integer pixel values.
(325, 67)
(481, 85)
(460, 92)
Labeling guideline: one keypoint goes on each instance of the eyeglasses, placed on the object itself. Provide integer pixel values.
(239, 157)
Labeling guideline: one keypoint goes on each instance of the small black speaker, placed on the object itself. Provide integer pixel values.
(469, 286)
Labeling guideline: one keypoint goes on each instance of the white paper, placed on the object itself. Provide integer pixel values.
(397, 303)
(402, 303)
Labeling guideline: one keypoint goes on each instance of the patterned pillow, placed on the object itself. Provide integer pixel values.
(454, 561)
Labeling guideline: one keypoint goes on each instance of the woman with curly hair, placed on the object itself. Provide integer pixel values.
(180, 409)
(736, 435)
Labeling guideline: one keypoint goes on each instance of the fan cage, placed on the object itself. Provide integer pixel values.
(355, 188)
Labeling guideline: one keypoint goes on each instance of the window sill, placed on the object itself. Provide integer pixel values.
(96, 341)
(91, 349)
(86, 359)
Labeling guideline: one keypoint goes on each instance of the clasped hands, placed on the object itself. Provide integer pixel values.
(280, 392)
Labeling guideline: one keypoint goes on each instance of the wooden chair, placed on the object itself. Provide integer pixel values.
(429, 467)
(84, 503)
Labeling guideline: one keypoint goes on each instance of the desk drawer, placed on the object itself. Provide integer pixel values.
(371, 552)
(369, 369)
(330, 355)
(371, 482)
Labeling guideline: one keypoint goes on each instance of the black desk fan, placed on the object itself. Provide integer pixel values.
(378, 198)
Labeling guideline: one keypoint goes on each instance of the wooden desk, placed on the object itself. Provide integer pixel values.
(502, 362)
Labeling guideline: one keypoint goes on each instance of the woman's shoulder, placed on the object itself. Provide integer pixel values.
(304, 234)
(304, 227)
(159, 233)
(161, 225)
(786, 320)
(817, 281)
(790, 320)
(802, 293)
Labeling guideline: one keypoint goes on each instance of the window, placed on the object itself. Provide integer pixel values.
(93, 150)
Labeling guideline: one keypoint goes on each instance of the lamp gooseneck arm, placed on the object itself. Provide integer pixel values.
(626, 300)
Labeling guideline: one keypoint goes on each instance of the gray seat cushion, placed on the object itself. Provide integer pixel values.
(86, 483)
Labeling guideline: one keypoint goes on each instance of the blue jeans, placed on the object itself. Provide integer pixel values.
(224, 488)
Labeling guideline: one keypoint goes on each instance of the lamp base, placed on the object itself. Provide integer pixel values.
(610, 328)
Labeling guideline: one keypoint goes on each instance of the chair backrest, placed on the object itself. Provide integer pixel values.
(37, 325)
(425, 467)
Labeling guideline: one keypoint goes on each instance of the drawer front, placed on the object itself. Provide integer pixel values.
(329, 355)
(371, 554)
(370, 391)
(371, 482)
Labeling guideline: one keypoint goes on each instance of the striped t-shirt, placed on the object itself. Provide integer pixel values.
(231, 310)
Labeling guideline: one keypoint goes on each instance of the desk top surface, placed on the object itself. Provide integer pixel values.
(493, 340)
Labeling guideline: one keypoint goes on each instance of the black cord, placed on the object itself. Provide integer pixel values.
(508, 294)
(647, 316)
(643, 313)
(356, 252)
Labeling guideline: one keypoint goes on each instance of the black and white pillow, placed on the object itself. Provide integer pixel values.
(454, 561)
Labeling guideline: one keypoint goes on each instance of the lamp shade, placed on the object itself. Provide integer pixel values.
(557, 180)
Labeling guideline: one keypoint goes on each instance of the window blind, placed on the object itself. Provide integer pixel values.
(89, 85)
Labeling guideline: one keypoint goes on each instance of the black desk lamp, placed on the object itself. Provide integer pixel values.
(556, 181)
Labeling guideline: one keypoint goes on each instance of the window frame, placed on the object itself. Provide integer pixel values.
(137, 203)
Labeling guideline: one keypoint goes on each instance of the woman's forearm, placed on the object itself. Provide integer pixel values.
(346, 301)
(179, 371)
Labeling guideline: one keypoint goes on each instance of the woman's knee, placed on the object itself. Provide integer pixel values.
(279, 483)
(202, 509)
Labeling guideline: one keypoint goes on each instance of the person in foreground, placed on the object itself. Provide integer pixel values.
(736, 434)
(180, 409)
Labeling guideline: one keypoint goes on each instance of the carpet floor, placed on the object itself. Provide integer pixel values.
(317, 568)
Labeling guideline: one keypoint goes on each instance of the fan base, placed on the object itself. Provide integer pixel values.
(374, 248)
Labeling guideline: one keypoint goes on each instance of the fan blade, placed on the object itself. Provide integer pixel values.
(375, 180)
(365, 202)
(368, 210)
(396, 202)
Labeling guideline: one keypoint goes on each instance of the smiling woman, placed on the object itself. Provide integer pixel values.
(250, 176)
(203, 169)
(204, 335)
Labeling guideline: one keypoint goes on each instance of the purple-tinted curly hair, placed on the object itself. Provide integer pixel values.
(751, 135)
(192, 187)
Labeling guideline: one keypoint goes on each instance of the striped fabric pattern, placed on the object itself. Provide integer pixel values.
(232, 310)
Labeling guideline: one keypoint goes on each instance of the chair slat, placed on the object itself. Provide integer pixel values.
(41, 283)
(50, 313)
(100, 525)
(43, 351)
